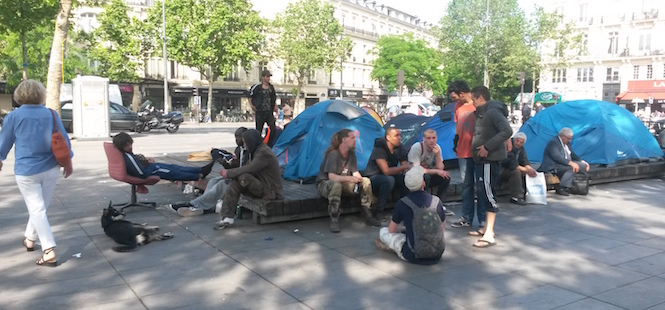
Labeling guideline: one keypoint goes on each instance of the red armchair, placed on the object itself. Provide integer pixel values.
(118, 171)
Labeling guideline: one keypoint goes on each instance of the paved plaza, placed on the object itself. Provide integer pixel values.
(601, 251)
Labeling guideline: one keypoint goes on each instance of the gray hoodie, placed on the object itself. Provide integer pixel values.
(491, 130)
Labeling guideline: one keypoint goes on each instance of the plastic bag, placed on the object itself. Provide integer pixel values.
(536, 189)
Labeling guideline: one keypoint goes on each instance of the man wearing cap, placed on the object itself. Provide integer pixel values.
(514, 167)
(401, 242)
(262, 100)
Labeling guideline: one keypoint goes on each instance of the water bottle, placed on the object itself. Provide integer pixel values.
(355, 188)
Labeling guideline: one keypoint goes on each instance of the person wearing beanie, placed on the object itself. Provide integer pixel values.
(403, 241)
(216, 187)
(515, 167)
(260, 178)
(338, 175)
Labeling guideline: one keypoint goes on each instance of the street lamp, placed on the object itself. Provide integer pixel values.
(166, 83)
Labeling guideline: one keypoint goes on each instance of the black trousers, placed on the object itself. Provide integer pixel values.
(266, 117)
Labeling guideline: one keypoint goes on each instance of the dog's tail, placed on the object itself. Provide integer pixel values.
(125, 248)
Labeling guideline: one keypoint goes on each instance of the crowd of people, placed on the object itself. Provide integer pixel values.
(415, 173)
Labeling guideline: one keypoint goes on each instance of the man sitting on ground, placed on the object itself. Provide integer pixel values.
(385, 169)
(559, 158)
(260, 178)
(216, 187)
(416, 245)
(338, 175)
(514, 167)
(141, 167)
(428, 155)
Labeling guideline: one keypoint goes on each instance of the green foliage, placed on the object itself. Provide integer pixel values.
(511, 45)
(308, 38)
(421, 64)
(38, 49)
(17, 16)
(213, 36)
(117, 43)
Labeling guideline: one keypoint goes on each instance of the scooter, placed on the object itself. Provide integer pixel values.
(149, 119)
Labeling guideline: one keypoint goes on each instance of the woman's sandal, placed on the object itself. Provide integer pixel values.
(25, 244)
(48, 263)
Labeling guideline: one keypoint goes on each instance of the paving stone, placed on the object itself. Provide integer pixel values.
(651, 265)
(589, 304)
(639, 295)
(542, 297)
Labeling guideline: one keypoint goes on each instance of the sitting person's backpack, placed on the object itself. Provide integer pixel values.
(427, 231)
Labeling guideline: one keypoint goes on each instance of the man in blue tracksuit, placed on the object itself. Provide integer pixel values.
(490, 133)
(142, 167)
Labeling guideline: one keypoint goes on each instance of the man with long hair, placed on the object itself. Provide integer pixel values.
(339, 175)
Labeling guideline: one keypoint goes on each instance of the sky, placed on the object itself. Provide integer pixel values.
(428, 10)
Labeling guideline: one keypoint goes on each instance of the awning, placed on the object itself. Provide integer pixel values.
(638, 96)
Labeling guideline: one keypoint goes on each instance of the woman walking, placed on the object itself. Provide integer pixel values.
(29, 130)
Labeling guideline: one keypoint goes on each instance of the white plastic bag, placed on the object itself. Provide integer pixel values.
(536, 189)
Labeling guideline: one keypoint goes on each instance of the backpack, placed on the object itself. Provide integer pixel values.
(427, 231)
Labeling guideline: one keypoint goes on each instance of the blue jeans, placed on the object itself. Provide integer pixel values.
(174, 172)
(383, 185)
(467, 169)
(487, 177)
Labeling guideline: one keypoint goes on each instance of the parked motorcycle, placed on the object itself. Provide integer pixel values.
(149, 118)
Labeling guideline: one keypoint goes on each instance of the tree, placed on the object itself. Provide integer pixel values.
(37, 55)
(211, 36)
(54, 78)
(116, 43)
(309, 37)
(20, 16)
(421, 64)
(507, 40)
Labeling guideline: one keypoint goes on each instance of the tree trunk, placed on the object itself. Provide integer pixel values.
(24, 53)
(209, 113)
(55, 63)
(136, 98)
(299, 106)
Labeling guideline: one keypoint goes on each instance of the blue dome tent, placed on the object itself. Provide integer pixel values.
(604, 133)
(301, 145)
(412, 128)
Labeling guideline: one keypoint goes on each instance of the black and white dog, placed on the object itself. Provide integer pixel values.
(129, 234)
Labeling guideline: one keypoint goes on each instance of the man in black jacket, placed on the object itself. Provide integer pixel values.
(262, 100)
(488, 146)
(514, 167)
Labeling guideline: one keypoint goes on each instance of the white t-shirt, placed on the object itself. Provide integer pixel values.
(417, 156)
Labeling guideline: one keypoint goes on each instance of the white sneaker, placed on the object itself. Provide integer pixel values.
(191, 211)
(218, 207)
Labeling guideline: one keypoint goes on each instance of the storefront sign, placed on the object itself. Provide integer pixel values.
(647, 85)
(346, 94)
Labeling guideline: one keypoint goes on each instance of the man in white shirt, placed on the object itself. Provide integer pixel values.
(428, 155)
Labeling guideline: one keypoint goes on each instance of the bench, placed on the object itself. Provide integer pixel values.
(302, 202)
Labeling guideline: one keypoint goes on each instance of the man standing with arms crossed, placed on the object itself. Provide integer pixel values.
(489, 136)
(262, 100)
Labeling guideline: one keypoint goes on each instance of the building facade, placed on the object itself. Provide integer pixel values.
(363, 23)
(619, 48)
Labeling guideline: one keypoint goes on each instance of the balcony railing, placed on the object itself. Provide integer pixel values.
(645, 15)
(372, 34)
